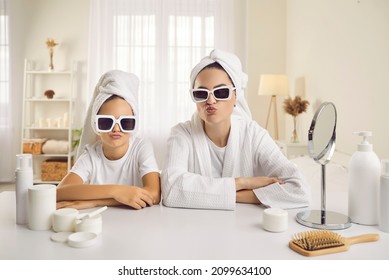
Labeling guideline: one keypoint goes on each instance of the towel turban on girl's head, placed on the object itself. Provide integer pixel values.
(114, 82)
(231, 64)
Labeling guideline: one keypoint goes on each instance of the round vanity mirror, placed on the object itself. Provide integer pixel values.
(321, 146)
(321, 135)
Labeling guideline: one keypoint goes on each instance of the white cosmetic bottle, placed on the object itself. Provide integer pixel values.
(23, 180)
(364, 178)
(383, 224)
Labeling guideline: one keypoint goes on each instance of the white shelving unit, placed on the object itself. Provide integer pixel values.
(49, 118)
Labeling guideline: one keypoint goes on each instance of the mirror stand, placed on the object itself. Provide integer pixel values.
(321, 146)
(323, 219)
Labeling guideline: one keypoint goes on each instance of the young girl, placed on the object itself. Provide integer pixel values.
(120, 168)
(221, 156)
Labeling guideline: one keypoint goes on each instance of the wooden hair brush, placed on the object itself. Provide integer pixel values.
(320, 242)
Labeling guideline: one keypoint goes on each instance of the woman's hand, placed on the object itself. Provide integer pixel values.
(247, 196)
(251, 183)
(135, 197)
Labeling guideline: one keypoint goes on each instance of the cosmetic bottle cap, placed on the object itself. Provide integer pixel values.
(23, 161)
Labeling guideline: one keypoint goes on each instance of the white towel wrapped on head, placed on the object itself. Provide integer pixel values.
(232, 65)
(114, 82)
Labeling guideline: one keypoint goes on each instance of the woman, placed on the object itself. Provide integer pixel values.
(221, 156)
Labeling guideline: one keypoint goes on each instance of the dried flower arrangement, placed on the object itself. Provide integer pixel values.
(50, 43)
(294, 107)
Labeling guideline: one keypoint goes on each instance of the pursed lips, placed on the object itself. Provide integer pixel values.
(115, 135)
(210, 109)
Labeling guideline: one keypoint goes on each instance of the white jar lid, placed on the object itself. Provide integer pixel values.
(66, 212)
(61, 236)
(82, 239)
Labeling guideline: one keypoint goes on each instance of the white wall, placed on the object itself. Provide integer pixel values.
(266, 54)
(341, 49)
(67, 23)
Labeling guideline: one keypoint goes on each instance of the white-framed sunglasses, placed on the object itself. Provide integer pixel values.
(220, 93)
(105, 123)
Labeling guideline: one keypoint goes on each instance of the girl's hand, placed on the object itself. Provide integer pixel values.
(250, 183)
(77, 204)
(135, 197)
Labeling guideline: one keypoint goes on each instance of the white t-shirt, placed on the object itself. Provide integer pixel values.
(93, 167)
(217, 158)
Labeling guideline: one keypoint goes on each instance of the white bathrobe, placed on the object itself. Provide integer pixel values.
(187, 180)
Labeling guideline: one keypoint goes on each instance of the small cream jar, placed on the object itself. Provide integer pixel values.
(64, 219)
(93, 224)
(275, 220)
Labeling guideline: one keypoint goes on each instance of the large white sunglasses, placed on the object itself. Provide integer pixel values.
(220, 93)
(105, 123)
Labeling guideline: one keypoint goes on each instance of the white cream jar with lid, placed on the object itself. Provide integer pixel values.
(275, 220)
(64, 219)
(90, 224)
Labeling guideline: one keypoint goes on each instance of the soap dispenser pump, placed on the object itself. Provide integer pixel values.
(364, 182)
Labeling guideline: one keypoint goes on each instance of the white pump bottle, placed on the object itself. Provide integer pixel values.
(23, 180)
(364, 181)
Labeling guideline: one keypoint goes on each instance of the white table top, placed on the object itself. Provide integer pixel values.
(160, 232)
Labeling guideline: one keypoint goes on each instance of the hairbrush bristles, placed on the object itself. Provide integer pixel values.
(319, 239)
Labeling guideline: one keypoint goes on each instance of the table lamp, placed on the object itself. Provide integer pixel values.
(273, 85)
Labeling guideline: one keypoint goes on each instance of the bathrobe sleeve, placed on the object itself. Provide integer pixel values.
(269, 161)
(183, 186)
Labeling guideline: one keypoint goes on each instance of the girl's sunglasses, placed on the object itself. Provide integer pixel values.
(220, 93)
(105, 123)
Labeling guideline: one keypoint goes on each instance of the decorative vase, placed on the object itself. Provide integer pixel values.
(50, 43)
(294, 138)
(51, 65)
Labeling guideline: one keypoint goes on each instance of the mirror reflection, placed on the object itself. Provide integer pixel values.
(322, 134)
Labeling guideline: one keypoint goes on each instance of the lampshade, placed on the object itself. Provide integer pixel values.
(273, 85)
